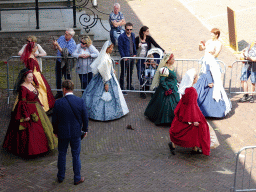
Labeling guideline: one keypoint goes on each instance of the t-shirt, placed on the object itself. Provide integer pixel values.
(144, 48)
(117, 18)
(131, 45)
(252, 53)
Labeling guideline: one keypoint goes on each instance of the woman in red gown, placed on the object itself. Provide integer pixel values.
(30, 132)
(45, 94)
(189, 127)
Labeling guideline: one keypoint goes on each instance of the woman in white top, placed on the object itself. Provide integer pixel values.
(212, 98)
(39, 53)
(85, 53)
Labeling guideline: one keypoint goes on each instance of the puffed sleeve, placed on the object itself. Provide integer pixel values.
(163, 83)
(22, 107)
(35, 80)
(209, 77)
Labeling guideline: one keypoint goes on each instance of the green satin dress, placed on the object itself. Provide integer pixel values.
(160, 109)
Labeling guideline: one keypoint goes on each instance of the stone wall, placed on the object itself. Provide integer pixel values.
(12, 42)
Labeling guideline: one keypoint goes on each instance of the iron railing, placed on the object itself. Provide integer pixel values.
(37, 8)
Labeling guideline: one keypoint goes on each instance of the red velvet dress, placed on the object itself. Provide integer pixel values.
(188, 135)
(25, 138)
(32, 64)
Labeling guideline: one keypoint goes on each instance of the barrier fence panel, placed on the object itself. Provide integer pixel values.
(245, 172)
(141, 81)
(136, 71)
(240, 70)
(14, 65)
(140, 70)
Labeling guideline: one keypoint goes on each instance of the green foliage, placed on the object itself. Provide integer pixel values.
(3, 80)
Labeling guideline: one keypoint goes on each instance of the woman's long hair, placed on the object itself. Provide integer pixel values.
(142, 29)
(20, 79)
(27, 52)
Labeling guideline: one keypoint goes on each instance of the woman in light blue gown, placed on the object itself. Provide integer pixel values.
(212, 98)
(103, 97)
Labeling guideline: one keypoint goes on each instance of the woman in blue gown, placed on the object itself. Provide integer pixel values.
(103, 97)
(212, 98)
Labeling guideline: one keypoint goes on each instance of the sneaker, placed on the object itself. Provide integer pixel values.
(78, 182)
(244, 98)
(250, 99)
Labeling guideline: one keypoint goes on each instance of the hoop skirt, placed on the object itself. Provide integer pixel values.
(33, 137)
(208, 105)
(187, 135)
(160, 109)
(45, 94)
(100, 109)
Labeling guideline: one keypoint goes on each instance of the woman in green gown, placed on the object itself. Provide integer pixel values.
(160, 109)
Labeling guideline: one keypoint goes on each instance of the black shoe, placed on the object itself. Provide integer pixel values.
(250, 99)
(60, 180)
(244, 98)
(58, 95)
(125, 93)
(143, 95)
(172, 149)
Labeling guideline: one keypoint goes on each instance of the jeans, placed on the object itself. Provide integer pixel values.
(75, 144)
(85, 79)
(114, 34)
(59, 73)
(150, 72)
(246, 73)
(140, 70)
(126, 67)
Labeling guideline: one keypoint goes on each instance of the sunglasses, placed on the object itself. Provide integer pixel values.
(28, 41)
(128, 29)
(83, 43)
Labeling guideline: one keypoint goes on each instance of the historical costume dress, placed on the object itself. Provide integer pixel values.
(160, 109)
(102, 105)
(213, 102)
(33, 137)
(45, 94)
(183, 132)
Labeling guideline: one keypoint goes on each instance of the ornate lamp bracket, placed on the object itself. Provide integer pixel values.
(87, 20)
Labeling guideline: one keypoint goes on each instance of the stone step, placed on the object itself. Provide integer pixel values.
(31, 3)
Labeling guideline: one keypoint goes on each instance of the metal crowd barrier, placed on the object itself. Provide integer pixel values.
(180, 67)
(141, 84)
(235, 85)
(14, 65)
(245, 170)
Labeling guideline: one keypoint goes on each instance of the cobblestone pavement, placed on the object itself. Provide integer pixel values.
(116, 159)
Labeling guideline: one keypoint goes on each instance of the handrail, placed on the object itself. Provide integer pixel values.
(36, 8)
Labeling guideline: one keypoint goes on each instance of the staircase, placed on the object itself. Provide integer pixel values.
(18, 24)
(31, 3)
